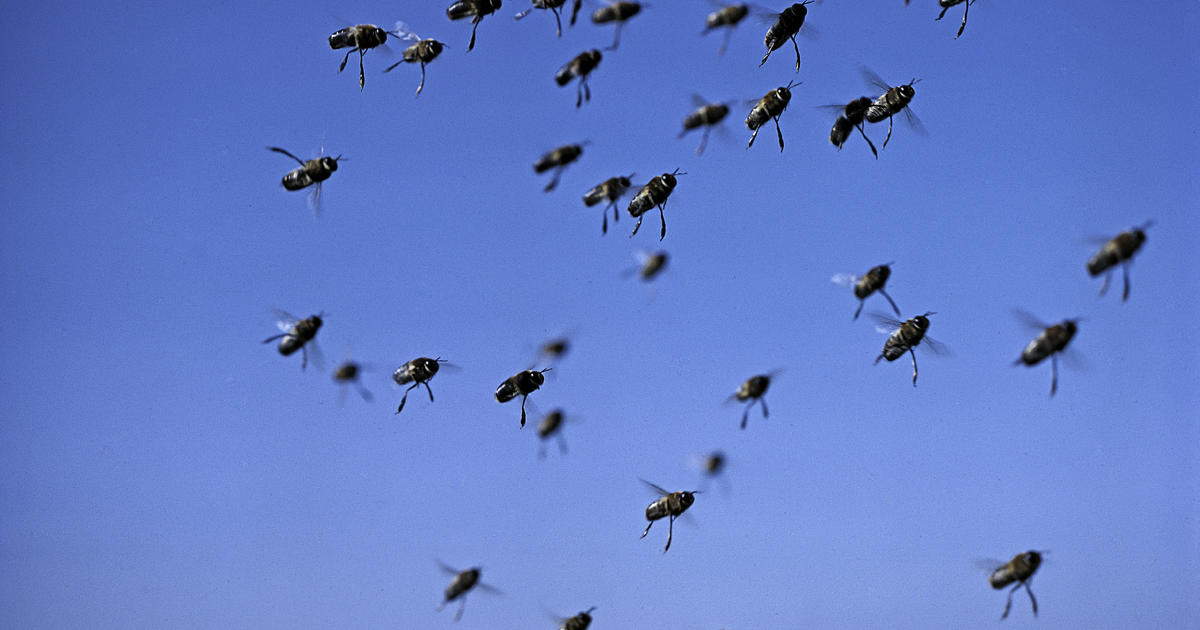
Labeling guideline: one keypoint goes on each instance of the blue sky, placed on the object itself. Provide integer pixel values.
(163, 468)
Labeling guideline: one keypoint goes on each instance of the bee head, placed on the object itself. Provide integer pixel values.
(330, 163)
(316, 321)
(687, 498)
(435, 46)
(784, 93)
(1033, 559)
(595, 56)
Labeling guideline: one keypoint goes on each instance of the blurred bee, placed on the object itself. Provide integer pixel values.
(669, 505)
(714, 463)
(553, 5)
(653, 194)
(906, 336)
(753, 390)
(770, 106)
(581, 66)
(892, 102)
(1020, 570)
(852, 117)
(474, 9)
(1051, 341)
(349, 373)
(611, 189)
(946, 4)
(864, 286)
(727, 16)
(650, 264)
(521, 384)
(360, 38)
(463, 582)
(558, 160)
(617, 12)
(578, 622)
(418, 372)
(420, 51)
(1119, 250)
(787, 24)
(707, 115)
(297, 334)
(551, 426)
(556, 348)
(310, 173)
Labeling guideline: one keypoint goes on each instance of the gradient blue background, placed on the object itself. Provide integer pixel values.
(162, 468)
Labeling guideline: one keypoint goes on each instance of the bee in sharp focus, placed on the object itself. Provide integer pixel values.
(852, 117)
(787, 25)
(418, 372)
(310, 173)
(753, 390)
(474, 9)
(653, 194)
(558, 159)
(873, 281)
(669, 505)
(905, 336)
(462, 583)
(360, 38)
(420, 51)
(578, 622)
(611, 189)
(728, 17)
(770, 106)
(551, 426)
(298, 334)
(1119, 250)
(707, 115)
(946, 4)
(521, 384)
(350, 373)
(553, 5)
(892, 102)
(617, 12)
(1050, 342)
(581, 66)
(1020, 570)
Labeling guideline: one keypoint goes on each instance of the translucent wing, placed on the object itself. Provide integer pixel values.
(885, 324)
(1028, 320)
(873, 79)
(404, 31)
(314, 199)
(660, 491)
(935, 346)
(844, 279)
(914, 122)
(284, 320)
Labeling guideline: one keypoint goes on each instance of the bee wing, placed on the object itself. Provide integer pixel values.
(285, 152)
(986, 565)
(914, 122)
(284, 320)
(844, 279)
(1028, 320)
(660, 491)
(698, 100)
(446, 568)
(404, 31)
(886, 325)
(935, 346)
(488, 588)
(318, 358)
(873, 79)
(314, 199)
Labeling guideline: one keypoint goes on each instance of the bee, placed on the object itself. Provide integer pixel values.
(787, 24)
(297, 334)
(361, 38)
(463, 582)
(707, 115)
(654, 193)
(865, 285)
(1119, 250)
(892, 102)
(474, 9)
(670, 505)
(349, 373)
(770, 106)
(1050, 342)
(553, 5)
(556, 348)
(611, 189)
(753, 390)
(852, 117)
(418, 372)
(617, 12)
(310, 173)
(906, 336)
(558, 160)
(551, 426)
(420, 51)
(581, 66)
(714, 463)
(946, 4)
(727, 16)
(578, 622)
(1020, 570)
(521, 384)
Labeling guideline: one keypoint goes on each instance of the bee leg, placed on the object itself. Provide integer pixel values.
(1104, 287)
(725, 42)
(557, 20)
(344, 60)
(878, 358)
(1032, 599)
(637, 225)
(889, 133)
(746, 416)
(942, 14)
(861, 303)
(647, 530)
(869, 144)
(889, 299)
(462, 605)
(587, 91)
(303, 357)
(404, 398)
(1008, 604)
(662, 234)
(670, 532)
(579, 94)
(1053, 374)
(780, 133)
(553, 180)
(604, 225)
(562, 444)
(270, 339)
(428, 390)
(362, 75)
(474, 25)
(523, 399)
(914, 360)
(797, 53)
(1125, 277)
(616, 37)
(752, 137)
(763, 401)
(963, 26)
(703, 141)
(575, 10)
(421, 85)
(616, 212)
(764, 59)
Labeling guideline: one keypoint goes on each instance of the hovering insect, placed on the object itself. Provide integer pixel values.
(611, 189)
(946, 4)
(728, 17)
(787, 25)
(770, 106)
(578, 622)
(297, 334)
(650, 264)
(753, 390)
(865, 285)
(1119, 250)
(349, 373)
(474, 9)
(360, 38)
(552, 5)
(1050, 342)
(892, 102)
(906, 336)
(463, 582)
(707, 115)
(420, 51)
(617, 12)
(852, 117)
(310, 173)
(669, 505)
(581, 66)
(551, 426)
(521, 384)
(1020, 570)
(714, 463)
(653, 194)
(556, 348)
(418, 372)
(558, 159)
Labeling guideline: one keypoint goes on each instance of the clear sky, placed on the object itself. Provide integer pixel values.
(161, 467)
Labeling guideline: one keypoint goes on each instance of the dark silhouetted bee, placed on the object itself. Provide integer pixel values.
(770, 106)
(1051, 341)
(581, 66)
(558, 160)
(852, 117)
(349, 373)
(653, 194)
(892, 102)
(553, 5)
(707, 115)
(906, 336)
(753, 390)
(310, 173)
(1020, 570)
(670, 505)
(418, 372)
(611, 189)
(420, 51)
(1119, 250)
(474, 9)
(554, 349)
(551, 426)
(728, 17)
(297, 334)
(360, 38)
(714, 463)
(946, 4)
(578, 622)
(462, 583)
(521, 384)
(617, 12)
(864, 286)
(787, 24)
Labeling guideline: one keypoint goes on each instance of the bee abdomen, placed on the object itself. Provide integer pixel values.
(564, 75)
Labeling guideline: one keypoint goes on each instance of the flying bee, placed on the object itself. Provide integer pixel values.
(852, 117)
(1020, 570)
(553, 5)
(946, 4)
(865, 285)
(770, 106)
(420, 51)
(521, 384)
(551, 426)
(463, 582)
(474, 9)
(298, 334)
(310, 173)
(1050, 342)
(670, 505)
(556, 348)
(653, 194)
(581, 66)
(360, 38)
(558, 159)
(906, 336)
(892, 102)
(707, 115)
(728, 17)
(753, 390)
(617, 12)
(650, 264)
(350, 373)
(714, 463)
(578, 622)
(1119, 250)
(418, 372)
(787, 25)
(611, 189)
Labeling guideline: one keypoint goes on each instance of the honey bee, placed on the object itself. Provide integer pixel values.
(1020, 570)
(651, 264)
(1119, 250)
(474, 9)
(1050, 342)
(581, 66)
(787, 24)
(770, 106)
(521, 384)
(611, 189)
(418, 372)
(892, 102)
(556, 348)
(310, 173)
(578, 622)
(360, 38)
(728, 17)
(946, 4)
(463, 582)
(551, 426)
(714, 463)
(558, 159)
(753, 390)
(865, 285)
(906, 336)
(553, 5)
(420, 51)
(617, 12)
(669, 505)
(653, 194)
(298, 334)
(852, 117)
(349, 373)
(707, 115)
